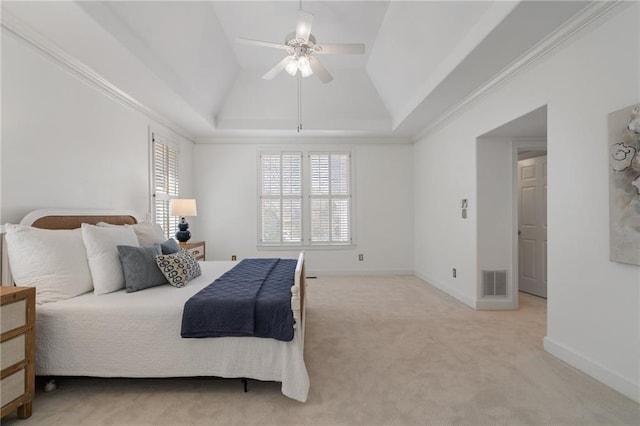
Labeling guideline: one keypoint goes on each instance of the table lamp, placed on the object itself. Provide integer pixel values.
(183, 207)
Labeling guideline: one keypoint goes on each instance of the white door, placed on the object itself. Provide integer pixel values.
(532, 226)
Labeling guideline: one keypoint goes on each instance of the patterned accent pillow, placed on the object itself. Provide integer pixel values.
(178, 268)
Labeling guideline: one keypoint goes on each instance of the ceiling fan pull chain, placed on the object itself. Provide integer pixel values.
(299, 102)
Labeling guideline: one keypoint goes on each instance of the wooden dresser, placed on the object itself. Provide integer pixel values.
(197, 249)
(17, 344)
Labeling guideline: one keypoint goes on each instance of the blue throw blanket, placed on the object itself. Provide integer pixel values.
(252, 299)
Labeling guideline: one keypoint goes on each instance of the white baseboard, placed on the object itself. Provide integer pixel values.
(450, 291)
(352, 273)
(594, 369)
(495, 305)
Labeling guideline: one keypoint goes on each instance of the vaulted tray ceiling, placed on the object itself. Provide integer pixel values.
(181, 59)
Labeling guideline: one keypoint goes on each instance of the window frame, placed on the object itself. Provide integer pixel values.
(306, 243)
(330, 195)
(170, 225)
(262, 196)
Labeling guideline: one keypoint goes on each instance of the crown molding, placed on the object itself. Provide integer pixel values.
(555, 40)
(83, 72)
(318, 139)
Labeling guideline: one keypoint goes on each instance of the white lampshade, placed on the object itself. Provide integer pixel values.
(183, 207)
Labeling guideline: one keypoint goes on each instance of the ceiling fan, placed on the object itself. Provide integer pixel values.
(302, 48)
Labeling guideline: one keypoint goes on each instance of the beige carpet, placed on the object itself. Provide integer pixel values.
(379, 350)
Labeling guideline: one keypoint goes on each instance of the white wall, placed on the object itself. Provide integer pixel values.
(593, 306)
(67, 145)
(495, 212)
(226, 189)
(445, 173)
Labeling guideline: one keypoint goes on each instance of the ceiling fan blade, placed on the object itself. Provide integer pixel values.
(270, 75)
(303, 27)
(320, 71)
(344, 48)
(261, 43)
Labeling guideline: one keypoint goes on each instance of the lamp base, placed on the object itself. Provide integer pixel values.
(183, 235)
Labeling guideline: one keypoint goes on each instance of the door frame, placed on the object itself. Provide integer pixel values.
(518, 146)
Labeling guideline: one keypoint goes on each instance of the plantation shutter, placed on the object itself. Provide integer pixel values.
(281, 198)
(330, 198)
(166, 185)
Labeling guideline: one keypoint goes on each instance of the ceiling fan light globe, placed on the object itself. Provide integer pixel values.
(305, 69)
(292, 68)
(303, 62)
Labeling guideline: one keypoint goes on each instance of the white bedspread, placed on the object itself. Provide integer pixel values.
(138, 335)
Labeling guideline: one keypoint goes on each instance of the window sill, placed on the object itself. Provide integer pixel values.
(305, 248)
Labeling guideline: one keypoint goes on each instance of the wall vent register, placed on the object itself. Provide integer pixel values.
(494, 283)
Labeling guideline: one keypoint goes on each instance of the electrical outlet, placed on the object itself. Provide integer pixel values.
(454, 272)
(361, 257)
(233, 257)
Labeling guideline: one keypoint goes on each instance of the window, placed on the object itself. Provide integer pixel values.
(281, 198)
(308, 205)
(330, 198)
(165, 183)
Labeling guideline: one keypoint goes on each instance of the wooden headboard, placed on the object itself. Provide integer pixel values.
(71, 219)
(65, 219)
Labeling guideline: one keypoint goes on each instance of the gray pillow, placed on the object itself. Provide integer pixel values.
(169, 247)
(140, 268)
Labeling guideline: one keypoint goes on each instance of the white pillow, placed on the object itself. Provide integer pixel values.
(52, 261)
(102, 252)
(148, 233)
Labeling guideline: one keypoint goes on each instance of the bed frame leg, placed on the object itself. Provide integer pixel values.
(245, 385)
(50, 385)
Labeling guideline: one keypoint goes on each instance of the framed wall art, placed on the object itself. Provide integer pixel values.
(624, 185)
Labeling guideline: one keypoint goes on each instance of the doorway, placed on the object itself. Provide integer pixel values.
(503, 211)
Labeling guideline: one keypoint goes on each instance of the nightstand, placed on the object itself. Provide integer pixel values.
(17, 345)
(197, 249)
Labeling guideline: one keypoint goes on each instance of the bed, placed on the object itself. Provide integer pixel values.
(137, 334)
